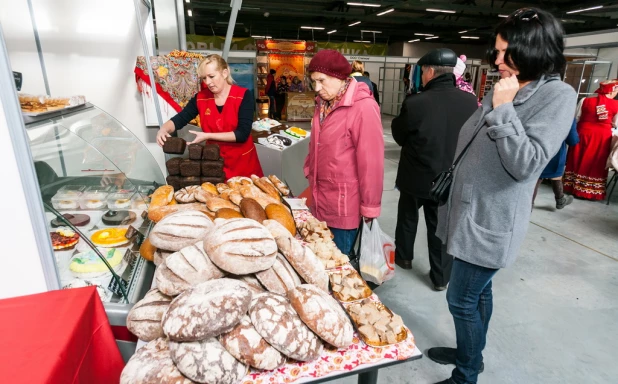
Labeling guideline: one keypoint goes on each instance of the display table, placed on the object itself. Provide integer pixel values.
(58, 337)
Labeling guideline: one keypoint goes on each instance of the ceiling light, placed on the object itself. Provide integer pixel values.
(353, 24)
(190, 13)
(463, 31)
(362, 41)
(423, 34)
(261, 37)
(433, 37)
(440, 10)
(364, 4)
(415, 40)
(585, 9)
(366, 31)
(385, 12)
(318, 28)
(333, 31)
(470, 37)
(503, 15)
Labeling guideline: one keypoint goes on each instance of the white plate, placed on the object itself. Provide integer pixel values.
(297, 203)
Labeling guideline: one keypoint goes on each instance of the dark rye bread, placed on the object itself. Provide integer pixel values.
(174, 181)
(173, 166)
(190, 168)
(220, 304)
(211, 152)
(241, 246)
(212, 168)
(195, 152)
(213, 180)
(278, 323)
(206, 361)
(251, 209)
(174, 145)
(152, 364)
(179, 230)
(144, 319)
(189, 181)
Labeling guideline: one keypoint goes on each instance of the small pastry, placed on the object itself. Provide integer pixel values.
(122, 203)
(77, 220)
(109, 238)
(64, 238)
(115, 218)
(94, 204)
(67, 204)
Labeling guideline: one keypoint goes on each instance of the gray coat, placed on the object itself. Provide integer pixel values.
(486, 217)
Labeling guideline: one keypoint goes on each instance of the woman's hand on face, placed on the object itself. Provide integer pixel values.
(199, 137)
(162, 136)
(505, 91)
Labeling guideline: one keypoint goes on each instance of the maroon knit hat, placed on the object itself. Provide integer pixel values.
(331, 63)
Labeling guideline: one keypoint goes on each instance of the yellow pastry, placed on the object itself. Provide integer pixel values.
(110, 237)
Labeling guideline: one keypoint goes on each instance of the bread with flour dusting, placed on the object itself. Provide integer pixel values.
(322, 314)
(152, 364)
(241, 246)
(245, 344)
(160, 255)
(179, 230)
(220, 304)
(168, 282)
(279, 278)
(304, 261)
(277, 322)
(144, 319)
(206, 361)
(193, 265)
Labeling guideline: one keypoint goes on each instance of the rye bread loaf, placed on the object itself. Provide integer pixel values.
(144, 319)
(206, 361)
(246, 345)
(322, 314)
(179, 230)
(253, 283)
(206, 310)
(152, 364)
(280, 278)
(304, 261)
(160, 255)
(241, 246)
(168, 282)
(193, 265)
(278, 323)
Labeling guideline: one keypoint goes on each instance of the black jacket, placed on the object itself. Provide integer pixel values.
(427, 129)
(376, 94)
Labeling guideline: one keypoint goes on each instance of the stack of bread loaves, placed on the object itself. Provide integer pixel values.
(230, 295)
(203, 165)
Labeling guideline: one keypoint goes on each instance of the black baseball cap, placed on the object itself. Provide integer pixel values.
(443, 57)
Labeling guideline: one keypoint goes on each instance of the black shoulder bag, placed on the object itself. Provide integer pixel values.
(441, 185)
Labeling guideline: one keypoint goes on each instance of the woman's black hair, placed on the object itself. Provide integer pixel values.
(272, 71)
(535, 44)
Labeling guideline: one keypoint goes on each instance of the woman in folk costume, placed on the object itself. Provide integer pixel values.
(226, 115)
(586, 175)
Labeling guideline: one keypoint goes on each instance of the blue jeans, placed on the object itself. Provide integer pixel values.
(344, 239)
(470, 302)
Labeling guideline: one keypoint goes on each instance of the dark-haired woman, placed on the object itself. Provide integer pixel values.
(519, 128)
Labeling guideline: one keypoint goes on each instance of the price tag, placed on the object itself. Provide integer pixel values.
(129, 257)
(144, 215)
(114, 287)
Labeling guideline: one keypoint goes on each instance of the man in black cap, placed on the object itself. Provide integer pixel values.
(427, 130)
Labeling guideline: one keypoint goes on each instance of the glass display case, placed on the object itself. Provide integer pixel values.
(95, 177)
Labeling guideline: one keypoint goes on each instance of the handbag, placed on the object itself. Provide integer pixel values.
(441, 185)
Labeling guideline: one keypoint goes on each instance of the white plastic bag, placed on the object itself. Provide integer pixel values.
(377, 254)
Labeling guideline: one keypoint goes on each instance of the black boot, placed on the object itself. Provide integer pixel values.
(446, 356)
(561, 199)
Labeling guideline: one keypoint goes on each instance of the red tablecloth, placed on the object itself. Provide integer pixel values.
(58, 337)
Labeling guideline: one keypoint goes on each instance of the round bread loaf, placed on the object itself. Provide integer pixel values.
(144, 319)
(147, 250)
(168, 282)
(279, 278)
(152, 364)
(179, 230)
(192, 265)
(251, 209)
(275, 228)
(206, 361)
(228, 213)
(160, 255)
(277, 322)
(187, 194)
(253, 283)
(206, 310)
(322, 314)
(241, 246)
(245, 344)
(281, 214)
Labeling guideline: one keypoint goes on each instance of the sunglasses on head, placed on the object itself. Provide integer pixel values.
(525, 14)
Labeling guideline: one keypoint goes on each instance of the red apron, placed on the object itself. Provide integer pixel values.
(239, 159)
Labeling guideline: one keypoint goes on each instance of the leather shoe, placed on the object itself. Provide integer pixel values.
(446, 356)
(439, 287)
(404, 264)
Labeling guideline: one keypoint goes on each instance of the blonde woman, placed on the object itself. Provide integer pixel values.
(357, 73)
(226, 114)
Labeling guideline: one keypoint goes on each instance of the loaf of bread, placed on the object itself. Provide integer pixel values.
(212, 168)
(280, 278)
(277, 322)
(227, 213)
(266, 186)
(173, 166)
(174, 145)
(235, 197)
(180, 230)
(214, 203)
(322, 314)
(192, 265)
(206, 361)
(157, 214)
(241, 246)
(186, 195)
(189, 168)
(222, 187)
(160, 255)
(147, 250)
(174, 181)
(280, 185)
(225, 195)
(275, 228)
(238, 181)
(144, 319)
(210, 188)
(281, 214)
(255, 193)
(213, 180)
(246, 345)
(161, 197)
(195, 151)
(253, 283)
(189, 181)
(220, 304)
(168, 282)
(304, 261)
(252, 210)
(211, 152)
(152, 364)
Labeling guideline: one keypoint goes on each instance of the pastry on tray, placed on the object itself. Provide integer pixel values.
(110, 237)
(112, 217)
(376, 324)
(89, 262)
(348, 285)
(64, 239)
(77, 220)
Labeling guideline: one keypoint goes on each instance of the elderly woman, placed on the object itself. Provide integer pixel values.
(504, 146)
(345, 165)
(226, 115)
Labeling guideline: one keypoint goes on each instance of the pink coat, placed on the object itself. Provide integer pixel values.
(345, 165)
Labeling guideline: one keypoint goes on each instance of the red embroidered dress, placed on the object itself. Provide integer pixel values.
(585, 174)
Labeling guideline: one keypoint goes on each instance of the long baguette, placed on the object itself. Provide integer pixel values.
(280, 185)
